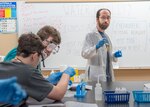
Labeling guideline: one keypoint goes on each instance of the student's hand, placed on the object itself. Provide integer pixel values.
(54, 77)
(11, 92)
(70, 71)
(118, 54)
(101, 43)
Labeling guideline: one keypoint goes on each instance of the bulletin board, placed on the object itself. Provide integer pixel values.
(8, 17)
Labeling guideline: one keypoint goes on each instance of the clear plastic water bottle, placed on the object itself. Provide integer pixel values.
(98, 91)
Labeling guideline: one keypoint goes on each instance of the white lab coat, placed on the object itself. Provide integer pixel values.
(96, 59)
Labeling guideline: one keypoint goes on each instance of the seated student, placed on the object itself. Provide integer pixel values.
(11, 92)
(29, 54)
(50, 38)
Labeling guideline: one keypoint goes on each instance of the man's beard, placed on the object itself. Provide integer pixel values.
(103, 27)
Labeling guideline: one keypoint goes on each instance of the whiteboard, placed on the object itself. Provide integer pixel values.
(129, 29)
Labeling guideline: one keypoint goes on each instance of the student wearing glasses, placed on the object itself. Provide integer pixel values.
(97, 49)
(51, 39)
(29, 53)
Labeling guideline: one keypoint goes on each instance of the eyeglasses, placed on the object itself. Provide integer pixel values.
(49, 45)
(52, 46)
(104, 18)
(42, 56)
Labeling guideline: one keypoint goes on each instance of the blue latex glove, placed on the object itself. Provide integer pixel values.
(70, 71)
(101, 43)
(54, 77)
(70, 83)
(118, 54)
(11, 92)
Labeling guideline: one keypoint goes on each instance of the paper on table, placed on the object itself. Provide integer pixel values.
(88, 87)
(67, 104)
(70, 93)
(48, 105)
(79, 104)
(147, 85)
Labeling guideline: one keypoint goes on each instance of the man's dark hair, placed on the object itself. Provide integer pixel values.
(28, 44)
(98, 12)
(47, 31)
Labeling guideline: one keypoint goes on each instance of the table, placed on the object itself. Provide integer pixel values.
(129, 85)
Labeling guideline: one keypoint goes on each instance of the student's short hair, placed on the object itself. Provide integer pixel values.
(28, 44)
(98, 12)
(47, 31)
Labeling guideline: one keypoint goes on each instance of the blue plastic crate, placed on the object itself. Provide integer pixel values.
(141, 97)
(112, 97)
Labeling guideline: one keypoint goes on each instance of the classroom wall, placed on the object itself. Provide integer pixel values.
(132, 74)
(7, 42)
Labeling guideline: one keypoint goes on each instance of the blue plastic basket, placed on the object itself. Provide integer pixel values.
(141, 97)
(112, 97)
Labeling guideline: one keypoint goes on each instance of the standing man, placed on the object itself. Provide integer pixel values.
(29, 54)
(97, 49)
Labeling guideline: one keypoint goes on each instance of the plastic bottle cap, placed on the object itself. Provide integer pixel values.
(98, 85)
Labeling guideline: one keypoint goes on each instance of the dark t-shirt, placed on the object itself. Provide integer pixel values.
(28, 77)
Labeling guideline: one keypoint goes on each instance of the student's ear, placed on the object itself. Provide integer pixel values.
(34, 56)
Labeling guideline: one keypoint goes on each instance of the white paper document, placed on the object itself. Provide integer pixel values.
(48, 105)
(147, 85)
(67, 104)
(79, 104)
(70, 93)
(88, 87)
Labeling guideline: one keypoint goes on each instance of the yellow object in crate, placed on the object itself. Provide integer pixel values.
(75, 78)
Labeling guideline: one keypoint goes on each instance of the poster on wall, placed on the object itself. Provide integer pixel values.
(8, 17)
